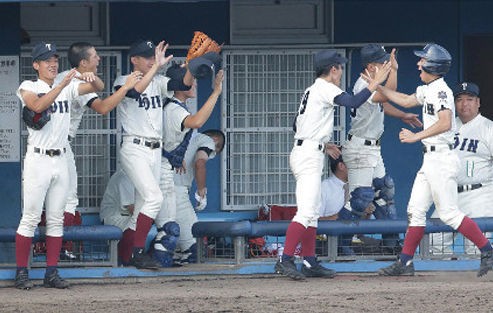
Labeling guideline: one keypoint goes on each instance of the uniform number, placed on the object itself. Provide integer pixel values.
(154, 102)
(429, 109)
(60, 107)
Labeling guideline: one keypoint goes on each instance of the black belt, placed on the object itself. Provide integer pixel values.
(434, 148)
(150, 144)
(462, 188)
(299, 142)
(50, 152)
(367, 142)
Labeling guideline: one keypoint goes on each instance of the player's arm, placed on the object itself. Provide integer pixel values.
(93, 83)
(408, 118)
(201, 158)
(403, 100)
(161, 60)
(40, 104)
(443, 124)
(106, 105)
(198, 120)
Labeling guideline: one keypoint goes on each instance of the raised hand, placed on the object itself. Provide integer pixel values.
(218, 81)
(393, 60)
(68, 78)
(87, 77)
(161, 59)
(132, 80)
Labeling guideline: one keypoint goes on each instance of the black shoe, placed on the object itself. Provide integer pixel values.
(54, 280)
(486, 263)
(68, 256)
(398, 269)
(144, 261)
(317, 271)
(22, 280)
(288, 268)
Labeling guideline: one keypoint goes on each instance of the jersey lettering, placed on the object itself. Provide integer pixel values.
(304, 102)
(471, 144)
(60, 106)
(145, 103)
(429, 109)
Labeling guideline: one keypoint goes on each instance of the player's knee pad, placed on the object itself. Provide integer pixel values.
(189, 255)
(385, 212)
(171, 228)
(168, 236)
(162, 255)
(384, 188)
(361, 198)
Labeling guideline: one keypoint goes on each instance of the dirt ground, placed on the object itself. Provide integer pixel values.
(427, 292)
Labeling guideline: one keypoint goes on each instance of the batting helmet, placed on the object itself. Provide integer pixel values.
(438, 59)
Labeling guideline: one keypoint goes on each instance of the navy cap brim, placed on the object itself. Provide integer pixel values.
(420, 53)
(145, 54)
(45, 56)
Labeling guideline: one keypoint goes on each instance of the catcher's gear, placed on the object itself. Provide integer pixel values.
(205, 65)
(201, 44)
(438, 59)
(35, 120)
(201, 201)
(361, 198)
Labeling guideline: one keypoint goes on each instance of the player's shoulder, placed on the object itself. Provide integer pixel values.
(359, 84)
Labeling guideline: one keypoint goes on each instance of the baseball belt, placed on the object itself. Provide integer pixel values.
(49, 152)
(299, 142)
(437, 148)
(149, 144)
(366, 142)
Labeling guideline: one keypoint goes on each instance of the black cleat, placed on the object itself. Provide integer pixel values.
(144, 261)
(317, 271)
(486, 263)
(22, 280)
(54, 280)
(398, 269)
(288, 268)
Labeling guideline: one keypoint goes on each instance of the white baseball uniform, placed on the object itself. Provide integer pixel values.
(45, 173)
(185, 213)
(436, 181)
(361, 153)
(173, 135)
(142, 123)
(474, 146)
(119, 194)
(314, 127)
(333, 196)
(78, 108)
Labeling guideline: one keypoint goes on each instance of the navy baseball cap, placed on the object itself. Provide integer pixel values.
(325, 58)
(465, 87)
(43, 51)
(374, 53)
(142, 48)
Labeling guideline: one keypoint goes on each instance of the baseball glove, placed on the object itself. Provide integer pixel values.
(201, 44)
(35, 120)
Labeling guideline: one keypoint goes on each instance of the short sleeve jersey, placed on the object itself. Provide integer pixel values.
(315, 119)
(174, 115)
(332, 196)
(79, 106)
(434, 97)
(143, 116)
(474, 145)
(119, 193)
(55, 133)
(197, 142)
(367, 120)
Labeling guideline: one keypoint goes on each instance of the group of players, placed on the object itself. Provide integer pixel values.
(156, 131)
(440, 179)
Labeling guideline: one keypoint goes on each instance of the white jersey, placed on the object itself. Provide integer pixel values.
(55, 133)
(474, 145)
(119, 193)
(333, 196)
(435, 97)
(79, 105)
(197, 142)
(315, 120)
(174, 130)
(367, 120)
(142, 116)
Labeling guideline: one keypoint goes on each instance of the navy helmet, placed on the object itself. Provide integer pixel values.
(438, 59)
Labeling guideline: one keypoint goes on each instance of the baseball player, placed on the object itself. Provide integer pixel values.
(436, 181)
(368, 181)
(141, 116)
(474, 146)
(85, 59)
(45, 174)
(178, 126)
(202, 147)
(313, 129)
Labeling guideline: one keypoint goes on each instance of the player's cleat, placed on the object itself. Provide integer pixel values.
(144, 261)
(317, 271)
(486, 263)
(54, 280)
(288, 268)
(22, 280)
(398, 269)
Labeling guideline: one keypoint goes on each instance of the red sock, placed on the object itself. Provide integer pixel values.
(125, 245)
(308, 242)
(22, 250)
(53, 247)
(413, 237)
(471, 231)
(294, 234)
(68, 220)
(144, 224)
